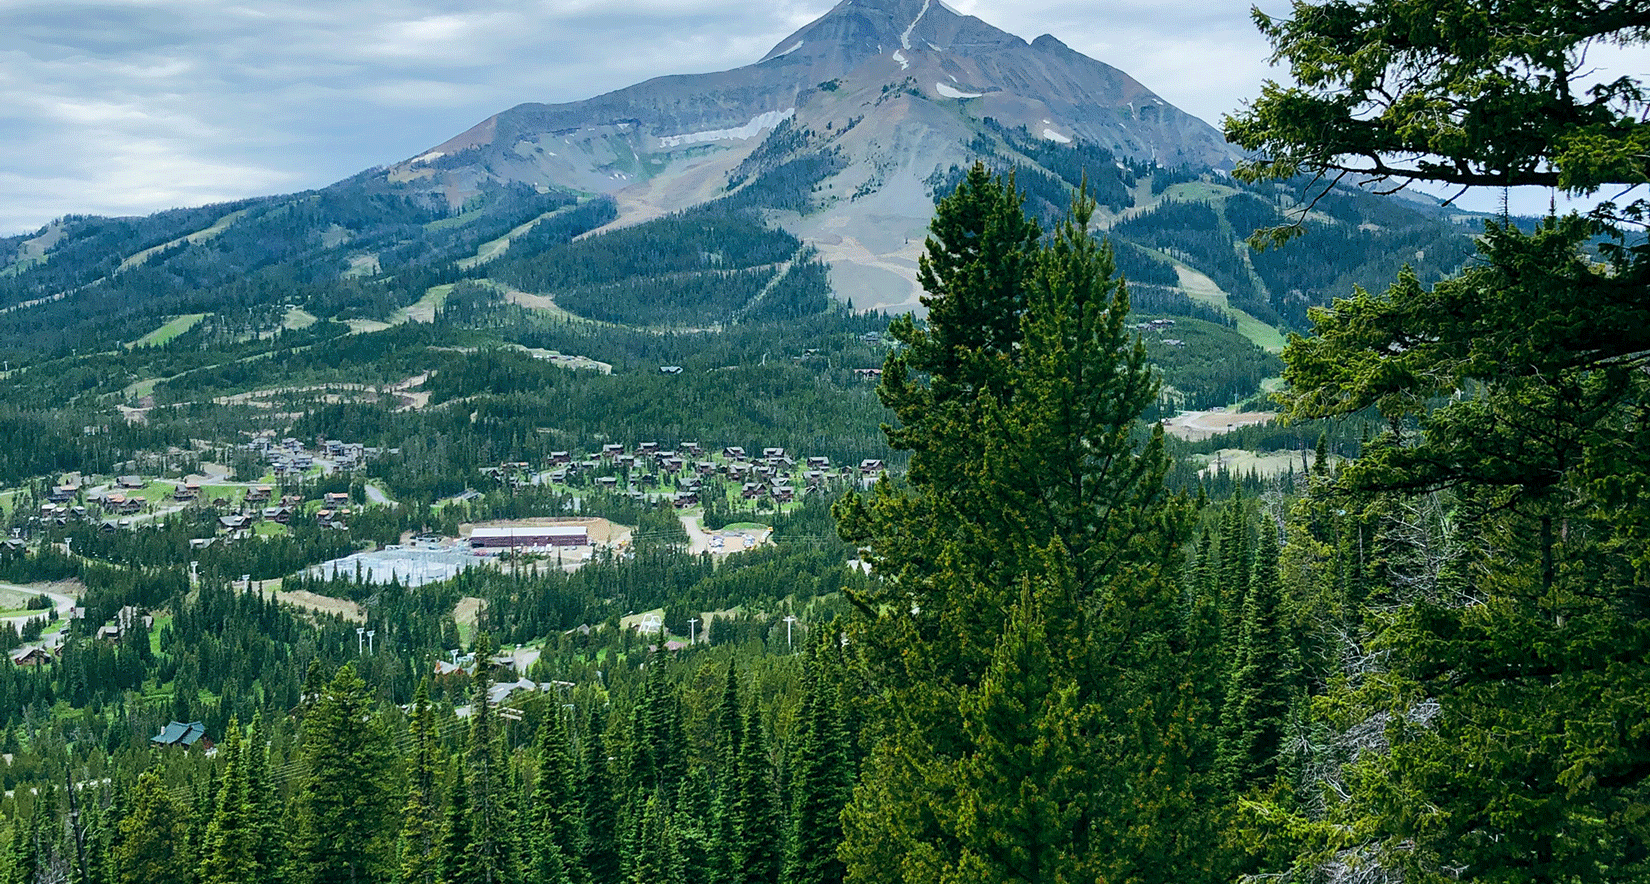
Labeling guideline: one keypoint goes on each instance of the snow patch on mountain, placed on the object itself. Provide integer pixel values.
(795, 46)
(750, 130)
(904, 63)
(1052, 135)
(948, 92)
(905, 38)
(426, 158)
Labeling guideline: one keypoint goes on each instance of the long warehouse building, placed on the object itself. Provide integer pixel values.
(529, 537)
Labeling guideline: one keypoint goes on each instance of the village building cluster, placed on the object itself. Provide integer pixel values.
(682, 474)
(124, 500)
(1158, 327)
(507, 672)
(291, 458)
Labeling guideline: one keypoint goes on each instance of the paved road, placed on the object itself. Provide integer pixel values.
(61, 602)
(698, 540)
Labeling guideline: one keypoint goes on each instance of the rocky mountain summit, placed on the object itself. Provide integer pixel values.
(895, 92)
(706, 201)
(833, 71)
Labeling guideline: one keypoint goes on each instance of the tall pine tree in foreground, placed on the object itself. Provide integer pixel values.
(1503, 683)
(151, 845)
(264, 808)
(1263, 680)
(756, 818)
(343, 799)
(822, 776)
(598, 842)
(1024, 791)
(554, 819)
(1050, 505)
(654, 857)
(420, 823)
(453, 860)
(231, 855)
(494, 857)
(726, 833)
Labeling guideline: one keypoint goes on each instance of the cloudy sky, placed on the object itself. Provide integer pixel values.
(130, 106)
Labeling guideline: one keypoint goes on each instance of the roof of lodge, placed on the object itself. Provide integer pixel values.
(532, 531)
(179, 734)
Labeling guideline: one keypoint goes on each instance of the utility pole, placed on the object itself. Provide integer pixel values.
(691, 622)
(789, 619)
(360, 639)
(370, 634)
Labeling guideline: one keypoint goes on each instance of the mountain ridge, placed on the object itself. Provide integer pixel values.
(840, 43)
(840, 137)
(897, 90)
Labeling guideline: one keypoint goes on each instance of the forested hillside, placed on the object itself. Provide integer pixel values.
(731, 757)
(852, 598)
(369, 250)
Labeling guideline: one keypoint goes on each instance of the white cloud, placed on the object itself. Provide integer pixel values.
(121, 106)
(1203, 56)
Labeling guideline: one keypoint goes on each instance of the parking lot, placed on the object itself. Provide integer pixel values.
(412, 565)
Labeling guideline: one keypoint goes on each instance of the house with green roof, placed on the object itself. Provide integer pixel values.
(180, 734)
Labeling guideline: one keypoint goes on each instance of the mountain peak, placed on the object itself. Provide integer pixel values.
(857, 30)
(875, 100)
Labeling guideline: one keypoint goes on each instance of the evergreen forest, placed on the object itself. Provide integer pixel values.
(989, 613)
